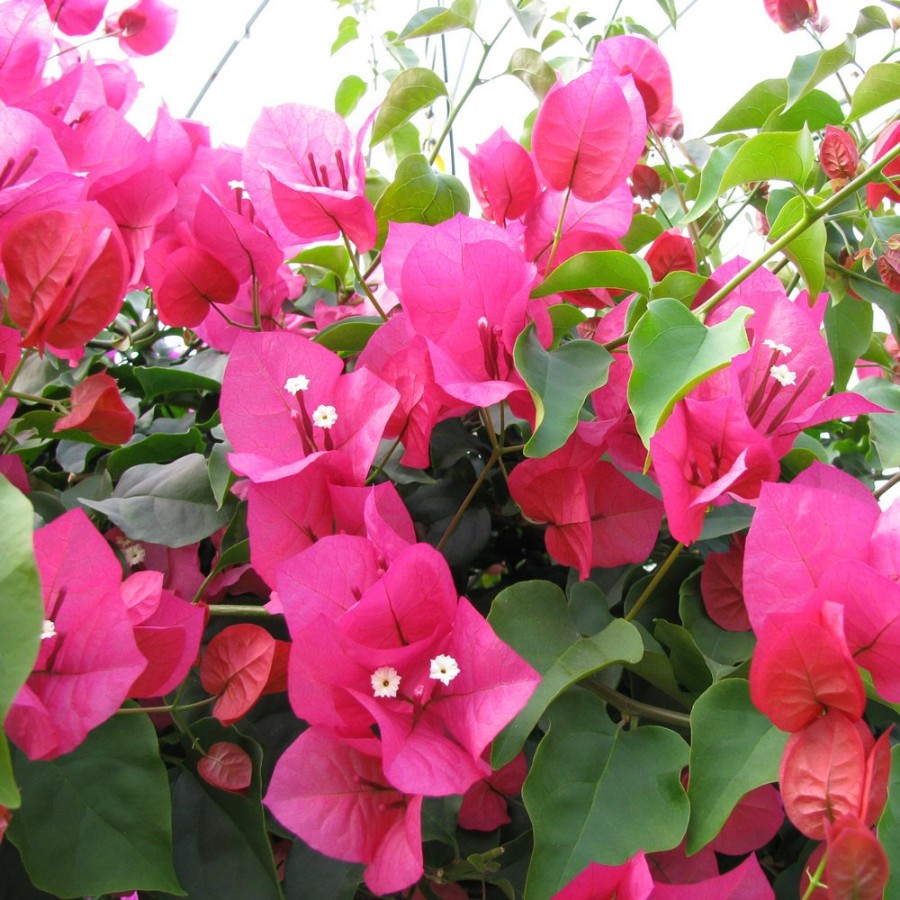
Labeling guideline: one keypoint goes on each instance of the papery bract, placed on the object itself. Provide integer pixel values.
(97, 408)
(639, 57)
(76, 17)
(671, 252)
(89, 659)
(857, 865)
(838, 154)
(721, 586)
(630, 881)
(752, 823)
(744, 882)
(332, 793)
(227, 766)
(144, 28)
(790, 15)
(25, 42)
(876, 191)
(484, 805)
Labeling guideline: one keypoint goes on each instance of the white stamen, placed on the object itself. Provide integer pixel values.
(385, 681)
(444, 669)
(324, 416)
(297, 383)
(783, 375)
(781, 348)
(48, 630)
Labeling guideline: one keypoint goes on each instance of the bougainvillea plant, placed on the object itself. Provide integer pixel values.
(370, 529)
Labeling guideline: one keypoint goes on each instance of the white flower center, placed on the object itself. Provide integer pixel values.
(132, 551)
(444, 669)
(48, 630)
(324, 416)
(783, 375)
(297, 383)
(781, 348)
(385, 681)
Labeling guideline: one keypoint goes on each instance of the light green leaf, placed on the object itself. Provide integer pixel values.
(848, 330)
(807, 250)
(533, 71)
(347, 31)
(734, 749)
(683, 286)
(885, 427)
(529, 14)
(599, 793)
(170, 504)
(643, 230)
(437, 20)
(879, 86)
(672, 351)
(98, 820)
(564, 317)
(668, 7)
(419, 194)
(349, 92)
(813, 68)
(9, 791)
(409, 92)
(534, 619)
(871, 18)
(711, 179)
(559, 381)
(597, 269)
(752, 110)
(775, 155)
(348, 335)
(815, 110)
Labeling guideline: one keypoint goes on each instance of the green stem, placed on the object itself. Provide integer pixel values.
(457, 518)
(6, 389)
(237, 609)
(810, 218)
(815, 879)
(557, 235)
(360, 278)
(173, 708)
(658, 576)
(386, 459)
(635, 708)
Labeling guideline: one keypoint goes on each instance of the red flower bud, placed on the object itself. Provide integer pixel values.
(839, 155)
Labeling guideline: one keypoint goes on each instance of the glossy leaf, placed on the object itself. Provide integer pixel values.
(98, 819)
(871, 18)
(348, 335)
(878, 87)
(170, 504)
(533, 71)
(348, 31)
(711, 179)
(419, 194)
(889, 827)
(599, 793)
(559, 382)
(410, 91)
(813, 68)
(734, 749)
(155, 448)
(597, 269)
(534, 619)
(754, 108)
(348, 94)
(672, 352)
(202, 372)
(848, 330)
(815, 110)
(437, 20)
(885, 427)
(780, 155)
(808, 249)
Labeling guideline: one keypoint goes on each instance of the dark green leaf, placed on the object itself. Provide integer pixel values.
(848, 329)
(419, 194)
(348, 335)
(889, 828)
(154, 448)
(534, 619)
(885, 427)
(690, 668)
(672, 352)
(807, 250)
(599, 793)
(813, 68)
(437, 20)
(348, 94)
(564, 318)
(9, 792)
(559, 382)
(752, 110)
(734, 749)
(727, 648)
(348, 31)
(597, 269)
(309, 875)
(409, 92)
(202, 372)
(533, 71)
(170, 504)
(98, 820)
(879, 86)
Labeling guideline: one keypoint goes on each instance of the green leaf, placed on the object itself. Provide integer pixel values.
(98, 820)
(348, 335)
(533, 71)
(348, 31)
(599, 793)
(885, 427)
(673, 351)
(711, 179)
(682, 286)
(9, 791)
(734, 749)
(564, 317)
(202, 372)
(597, 269)
(773, 155)
(170, 504)
(559, 382)
(21, 603)
(409, 92)
(405, 141)
(807, 251)
(871, 18)
(158, 447)
(309, 875)
(879, 86)
(815, 110)
(643, 230)
(529, 14)
(688, 664)
(668, 7)
(348, 94)
(728, 648)
(813, 68)
(437, 20)
(889, 828)
(534, 619)
(848, 330)
(419, 194)
(222, 847)
(752, 110)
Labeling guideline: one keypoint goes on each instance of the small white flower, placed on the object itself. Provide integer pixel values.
(324, 416)
(781, 348)
(444, 669)
(48, 630)
(385, 681)
(783, 375)
(297, 383)
(132, 551)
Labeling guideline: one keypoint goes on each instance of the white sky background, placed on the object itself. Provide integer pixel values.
(720, 49)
